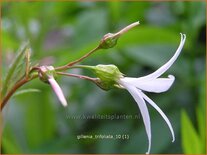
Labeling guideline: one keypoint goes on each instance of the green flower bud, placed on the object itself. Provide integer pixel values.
(108, 75)
(46, 72)
(108, 41)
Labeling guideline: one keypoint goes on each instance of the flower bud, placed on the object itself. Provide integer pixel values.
(109, 40)
(46, 72)
(108, 75)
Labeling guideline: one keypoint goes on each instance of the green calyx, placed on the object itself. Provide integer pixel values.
(108, 41)
(46, 72)
(108, 75)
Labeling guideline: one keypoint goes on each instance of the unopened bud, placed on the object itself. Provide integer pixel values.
(108, 75)
(46, 72)
(109, 40)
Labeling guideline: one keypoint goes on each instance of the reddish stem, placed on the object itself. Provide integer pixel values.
(12, 91)
(78, 60)
(78, 76)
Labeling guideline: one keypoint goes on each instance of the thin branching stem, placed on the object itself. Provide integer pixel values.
(79, 76)
(26, 78)
(65, 67)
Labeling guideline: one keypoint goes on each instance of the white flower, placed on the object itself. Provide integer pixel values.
(152, 83)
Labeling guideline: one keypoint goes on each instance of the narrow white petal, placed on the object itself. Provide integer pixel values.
(143, 109)
(151, 85)
(167, 65)
(58, 91)
(161, 113)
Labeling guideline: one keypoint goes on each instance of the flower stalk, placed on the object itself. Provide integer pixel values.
(69, 65)
(78, 76)
(108, 41)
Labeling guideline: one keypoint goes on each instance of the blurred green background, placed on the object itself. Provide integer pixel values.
(60, 32)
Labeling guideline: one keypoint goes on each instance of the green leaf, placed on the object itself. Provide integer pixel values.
(14, 68)
(24, 91)
(9, 142)
(202, 127)
(10, 147)
(190, 140)
(201, 111)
